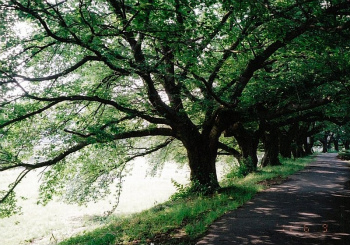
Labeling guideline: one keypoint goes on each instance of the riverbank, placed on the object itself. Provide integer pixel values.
(44, 225)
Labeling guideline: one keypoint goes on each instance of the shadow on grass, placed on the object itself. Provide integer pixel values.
(182, 221)
(312, 207)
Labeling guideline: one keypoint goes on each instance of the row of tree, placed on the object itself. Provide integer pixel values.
(90, 85)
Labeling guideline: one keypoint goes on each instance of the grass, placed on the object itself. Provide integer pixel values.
(50, 224)
(184, 220)
(344, 155)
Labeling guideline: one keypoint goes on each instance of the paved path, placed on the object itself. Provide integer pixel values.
(312, 207)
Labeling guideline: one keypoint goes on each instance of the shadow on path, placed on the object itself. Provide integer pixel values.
(311, 207)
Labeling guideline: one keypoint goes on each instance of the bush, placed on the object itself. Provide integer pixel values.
(344, 155)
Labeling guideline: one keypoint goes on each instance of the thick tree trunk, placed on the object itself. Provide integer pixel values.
(347, 144)
(330, 141)
(336, 143)
(202, 154)
(324, 142)
(202, 148)
(302, 141)
(285, 145)
(287, 139)
(271, 149)
(309, 145)
(324, 146)
(249, 154)
(202, 166)
(248, 141)
(300, 151)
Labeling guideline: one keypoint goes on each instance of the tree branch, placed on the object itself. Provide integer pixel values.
(230, 150)
(61, 74)
(14, 184)
(20, 118)
(81, 145)
(103, 101)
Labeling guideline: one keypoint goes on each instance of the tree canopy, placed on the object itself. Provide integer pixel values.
(88, 85)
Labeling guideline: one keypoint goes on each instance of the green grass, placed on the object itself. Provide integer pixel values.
(183, 221)
(344, 155)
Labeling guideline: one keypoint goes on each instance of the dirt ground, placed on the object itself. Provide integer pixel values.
(310, 207)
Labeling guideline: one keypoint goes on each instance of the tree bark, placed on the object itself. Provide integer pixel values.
(303, 141)
(285, 144)
(271, 148)
(249, 154)
(309, 145)
(286, 149)
(287, 141)
(329, 142)
(299, 151)
(336, 143)
(202, 153)
(202, 166)
(248, 141)
(324, 142)
(324, 146)
(347, 144)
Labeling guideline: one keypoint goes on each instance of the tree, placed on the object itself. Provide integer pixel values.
(345, 136)
(95, 76)
(247, 137)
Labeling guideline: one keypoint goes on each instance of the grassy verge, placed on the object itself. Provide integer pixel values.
(184, 220)
(344, 155)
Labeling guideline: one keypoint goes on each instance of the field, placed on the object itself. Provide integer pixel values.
(57, 221)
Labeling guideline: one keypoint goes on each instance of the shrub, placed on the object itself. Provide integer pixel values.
(344, 155)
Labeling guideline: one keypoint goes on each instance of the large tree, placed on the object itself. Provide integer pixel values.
(83, 82)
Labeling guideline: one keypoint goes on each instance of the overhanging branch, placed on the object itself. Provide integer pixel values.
(61, 74)
(230, 150)
(103, 101)
(81, 145)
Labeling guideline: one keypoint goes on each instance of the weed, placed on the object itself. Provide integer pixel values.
(194, 189)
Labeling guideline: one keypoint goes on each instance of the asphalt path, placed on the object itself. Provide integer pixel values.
(310, 207)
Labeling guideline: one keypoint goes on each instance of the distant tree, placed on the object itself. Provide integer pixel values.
(344, 136)
(333, 135)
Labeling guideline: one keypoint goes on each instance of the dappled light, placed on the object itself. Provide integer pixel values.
(311, 207)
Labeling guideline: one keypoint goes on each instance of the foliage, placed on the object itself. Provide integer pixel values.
(244, 167)
(88, 83)
(191, 190)
(9, 207)
(344, 155)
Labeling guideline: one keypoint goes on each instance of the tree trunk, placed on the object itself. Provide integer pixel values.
(329, 142)
(302, 141)
(336, 143)
(300, 151)
(271, 149)
(202, 154)
(285, 146)
(249, 154)
(324, 146)
(202, 149)
(248, 141)
(203, 169)
(309, 145)
(347, 144)
(324, 142)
